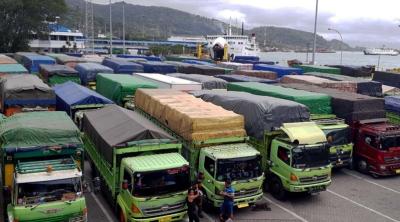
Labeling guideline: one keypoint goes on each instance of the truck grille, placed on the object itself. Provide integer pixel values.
(314, 179)
(345, 156)
(166, 209)
(244, 192)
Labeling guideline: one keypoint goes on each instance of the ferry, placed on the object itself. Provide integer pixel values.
(381, 51)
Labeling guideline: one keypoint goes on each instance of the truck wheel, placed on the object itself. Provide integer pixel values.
(276, 188)
(121, 215)
(362, 166)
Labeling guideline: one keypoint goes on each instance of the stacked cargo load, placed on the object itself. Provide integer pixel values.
(179, 58)
(70, 61)
(148, 58)
(355, 71)
(304, 79)
(318, 103)
(279, 70)
(58, 74)
(235, 65)
(169, 82)
(88, 72)
(31, 61)
(207, 82)
(349, 106)
(198, 62)
(7, 60)
(392, 107)
(387, 78)
(243, 78)
(257, 73)
(204, 70)
(189, 117)
(93, 58)
(21, 93)
(246, 59)
(122, 66)
(120, 88)
(12, 69)
(157, 67)
(322, 69)
(256, 108)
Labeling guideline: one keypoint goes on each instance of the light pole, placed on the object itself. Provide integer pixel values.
(341, 38)
(123, 27)
(111, 33)
(315, 33)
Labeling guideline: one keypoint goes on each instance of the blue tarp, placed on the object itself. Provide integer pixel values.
(246, 58)
(31, 61)
(71, 94)
(88, 71)
(158, 67)
(122, 66)
(198, 62)
(280, 70)
(243, 78)
(148, 58)
(392, 104)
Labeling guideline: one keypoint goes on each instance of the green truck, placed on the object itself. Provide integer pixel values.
(141, 171)
(41, 168)
(338, 135)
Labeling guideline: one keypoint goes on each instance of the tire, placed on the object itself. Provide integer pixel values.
(362, 166)
(276, 188)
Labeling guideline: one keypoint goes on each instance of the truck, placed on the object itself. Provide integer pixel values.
(376, 143)
(138, 165)
(41, 168)
(25, 93)
(294, 151)
(214, 143)
(338, 135)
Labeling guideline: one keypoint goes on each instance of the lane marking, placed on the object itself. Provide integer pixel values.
(370, 181)
(285, 209)
(102, 208)
(363, 206)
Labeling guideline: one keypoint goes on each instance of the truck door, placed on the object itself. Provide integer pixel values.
(369, 147)
(209, 173)
(281, 159)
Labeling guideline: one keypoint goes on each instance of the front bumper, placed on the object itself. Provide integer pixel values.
(164, 218)
(385, 169)
(242, 201)
(310, 188)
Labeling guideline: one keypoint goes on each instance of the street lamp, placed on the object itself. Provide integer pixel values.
(341, 38)
(315, 33)
(111, 32)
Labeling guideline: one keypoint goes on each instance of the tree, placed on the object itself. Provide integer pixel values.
(20, 19)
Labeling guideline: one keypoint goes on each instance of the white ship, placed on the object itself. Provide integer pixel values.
(381, 51)
(238, 45)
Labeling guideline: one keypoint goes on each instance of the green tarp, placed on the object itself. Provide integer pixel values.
(318, 103)
(56, 79)
(34, 129)
(12, 68)
(316, 68)
(117, 87)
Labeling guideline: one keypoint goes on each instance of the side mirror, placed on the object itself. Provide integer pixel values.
(125, 185)
(86, 187)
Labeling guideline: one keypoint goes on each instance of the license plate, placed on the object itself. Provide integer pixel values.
(316, 189)
(398, 171)
(166, 219)
(243, 205)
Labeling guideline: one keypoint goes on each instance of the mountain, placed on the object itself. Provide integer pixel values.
(150, 22)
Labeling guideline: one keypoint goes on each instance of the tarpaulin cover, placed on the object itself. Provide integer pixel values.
(247, 58)
(316, 68)
(179, 58)
(257, 73)
(387, 78)
(117, 86)
(355, 71)
(360, 85)
(93, 58)
(304, 79)
(235, 65)
(318, 103)
(70, 61)
(349, 106)
(208, 82)
(261, 113)
(58, 74)
(25, 89)
(88, 71)
(158, 67)
(112, 126)
(7, 60)
(392, 104)
(32, 129)
(198, 62)
(32, 61)
(71, 94)
(148, 58)
(12, 68)
(178, 64)
(188, 116)
(122, 66)
(204, 70)
(280, 70)
(242, 78)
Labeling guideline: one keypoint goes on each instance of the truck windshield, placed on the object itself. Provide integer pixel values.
(48, 191)
(161, 182)
(305, 157)
(239, 168)
(337, 137)
(389, 142)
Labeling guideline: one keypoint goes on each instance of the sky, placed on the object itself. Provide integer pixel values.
(371, 23)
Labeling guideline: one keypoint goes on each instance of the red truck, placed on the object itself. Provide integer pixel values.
(376, 147)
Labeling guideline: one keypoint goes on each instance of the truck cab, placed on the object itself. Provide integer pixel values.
(338, 135)
(377, 147)
(44, 188)
(296, 159)
(239, 162)
(154, 190)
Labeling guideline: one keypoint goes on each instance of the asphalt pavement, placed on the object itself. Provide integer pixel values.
(352, 197)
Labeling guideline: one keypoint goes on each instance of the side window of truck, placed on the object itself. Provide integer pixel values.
(209, 165)
(370, 140)
(128, 177)
(284, 155)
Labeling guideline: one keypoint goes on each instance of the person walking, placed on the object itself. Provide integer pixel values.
(227, 204)
(192, 206)
(199, 189)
